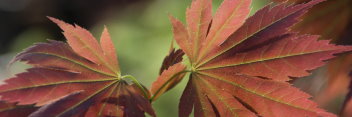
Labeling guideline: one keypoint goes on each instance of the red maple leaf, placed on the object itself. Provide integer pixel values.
(240, 66)
(79, 79)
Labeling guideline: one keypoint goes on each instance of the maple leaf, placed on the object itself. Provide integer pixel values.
(315, 22)
(81, 78)
(240, 67)
(13, 110)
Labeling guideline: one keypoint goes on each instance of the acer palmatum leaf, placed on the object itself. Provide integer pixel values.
(85, 66)
(315, 22)
(239, 66)
(13, 110)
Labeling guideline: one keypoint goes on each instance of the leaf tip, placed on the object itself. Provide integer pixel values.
(55, 20)
(63, 25)
(171, 18)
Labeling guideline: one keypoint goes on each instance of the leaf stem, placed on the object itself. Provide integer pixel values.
(135, 81)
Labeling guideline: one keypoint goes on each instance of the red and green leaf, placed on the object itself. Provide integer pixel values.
(243, 71)
(78, 78)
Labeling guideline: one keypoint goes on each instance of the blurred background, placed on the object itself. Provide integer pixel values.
(140, 30)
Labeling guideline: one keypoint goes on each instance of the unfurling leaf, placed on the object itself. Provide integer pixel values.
(168, 79)
(75, 79)
(172, 70)
(170, 60)
(241, 67)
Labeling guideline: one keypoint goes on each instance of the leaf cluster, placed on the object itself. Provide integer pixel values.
(238, 65)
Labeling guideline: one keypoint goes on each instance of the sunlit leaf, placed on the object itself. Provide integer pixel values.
(243, 70)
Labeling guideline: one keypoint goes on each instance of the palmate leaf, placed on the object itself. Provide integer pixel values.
(81, 78)
(241, 67)
(315, 22)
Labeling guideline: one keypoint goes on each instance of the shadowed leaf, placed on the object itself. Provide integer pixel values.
(330, 19)
(73, 79)
(13, 110)
(173, 58)
(347, 106)
(125, 101)
(55, 108)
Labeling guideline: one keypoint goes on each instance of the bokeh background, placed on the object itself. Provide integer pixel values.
(140, 30)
